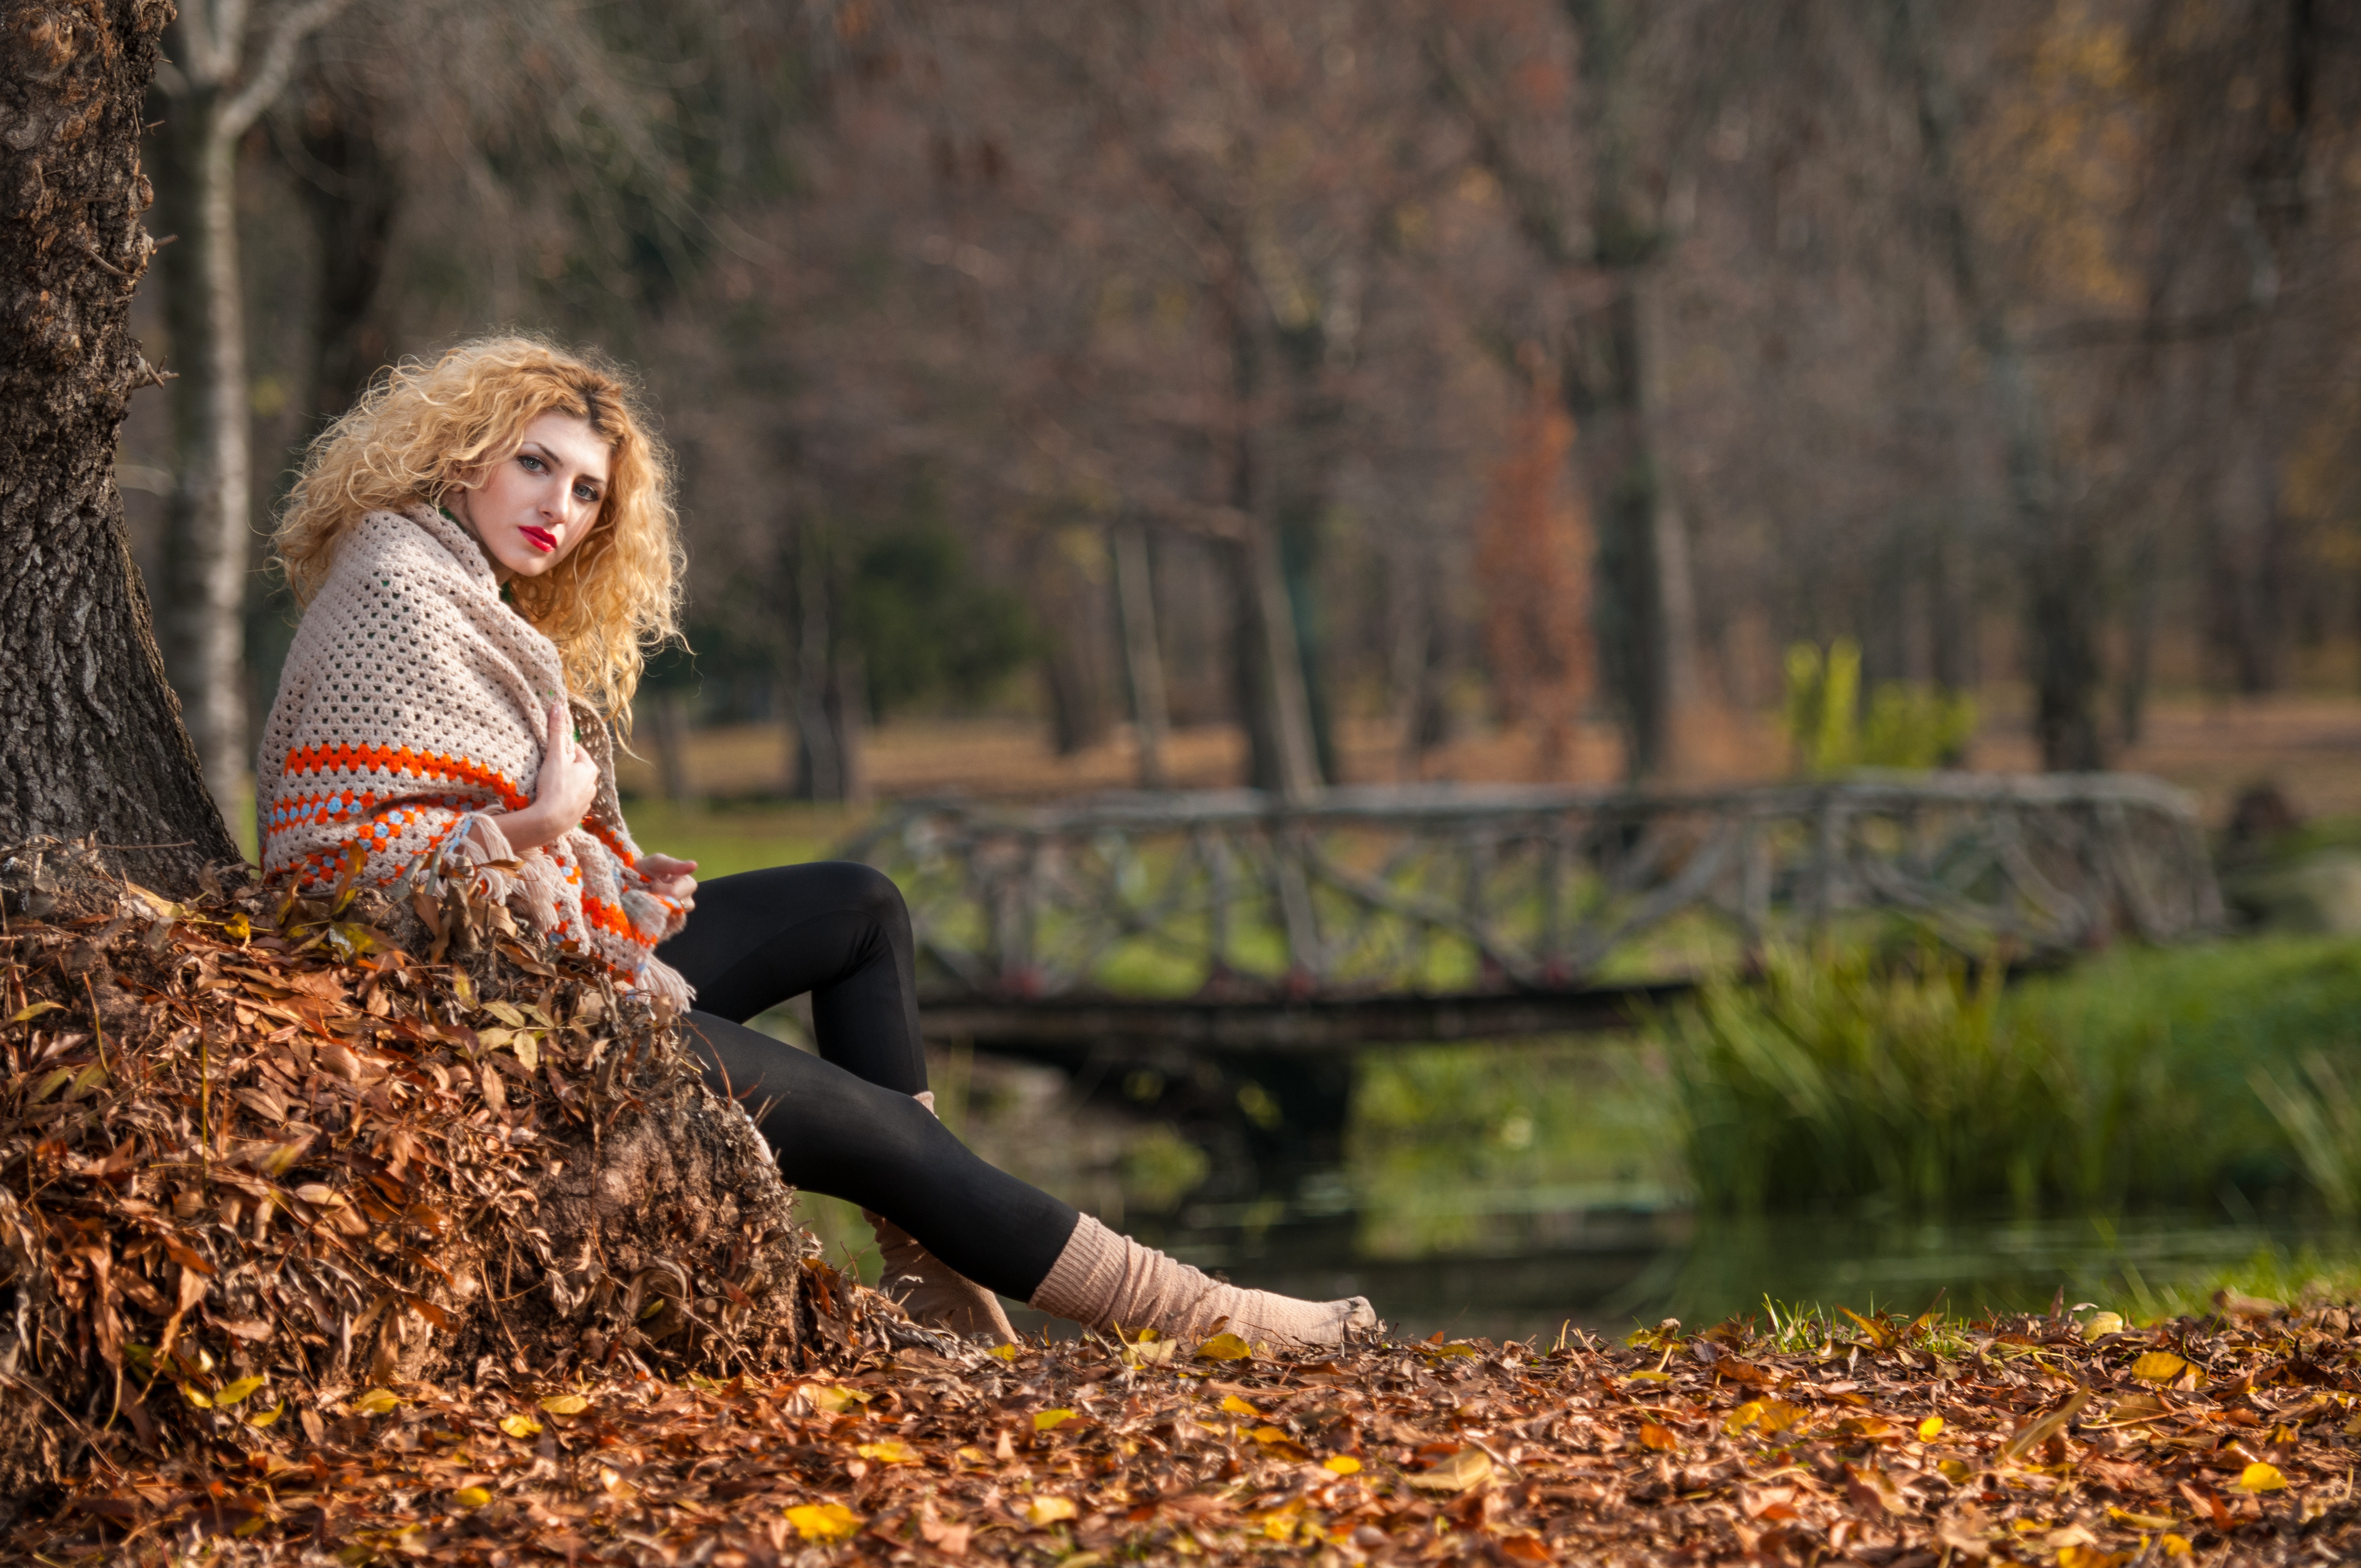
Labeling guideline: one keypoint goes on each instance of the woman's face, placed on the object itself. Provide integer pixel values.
(530, 511)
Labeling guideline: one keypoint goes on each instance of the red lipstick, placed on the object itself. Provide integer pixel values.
(541, 539)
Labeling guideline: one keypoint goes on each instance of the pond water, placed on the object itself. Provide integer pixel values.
(1609, 1269)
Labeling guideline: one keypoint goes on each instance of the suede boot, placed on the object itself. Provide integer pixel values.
(928, 1288)
(1103, 1280)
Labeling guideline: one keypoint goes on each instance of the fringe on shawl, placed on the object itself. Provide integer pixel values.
(478, 854)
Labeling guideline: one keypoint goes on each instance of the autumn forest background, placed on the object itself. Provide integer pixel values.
(1214, 392)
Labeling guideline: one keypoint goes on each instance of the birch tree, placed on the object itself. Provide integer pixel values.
(230, 62)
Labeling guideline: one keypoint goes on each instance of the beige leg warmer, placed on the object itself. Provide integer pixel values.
(1103, 1280)
(928, 1289)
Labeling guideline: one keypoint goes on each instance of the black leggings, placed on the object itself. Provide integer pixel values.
(844, 1122)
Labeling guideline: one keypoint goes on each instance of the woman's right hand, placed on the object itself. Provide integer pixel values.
(562, 795)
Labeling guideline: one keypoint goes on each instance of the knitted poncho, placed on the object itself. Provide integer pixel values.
(414, 703)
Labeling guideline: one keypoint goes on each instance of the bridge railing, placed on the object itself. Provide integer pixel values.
(1433, 890)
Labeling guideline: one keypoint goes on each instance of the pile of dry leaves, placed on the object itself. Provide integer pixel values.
(258, 1156)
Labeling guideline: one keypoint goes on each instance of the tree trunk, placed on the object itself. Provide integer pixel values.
(1273, 704)
(2056, 545)
(1143, 660)
(352, 211)
(669, 738)
(1641, 618)
(207, 536)
(95, 742)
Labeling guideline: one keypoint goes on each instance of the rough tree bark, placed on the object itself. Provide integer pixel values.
(94, 737)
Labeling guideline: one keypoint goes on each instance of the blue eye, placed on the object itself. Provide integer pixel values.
(529, 461)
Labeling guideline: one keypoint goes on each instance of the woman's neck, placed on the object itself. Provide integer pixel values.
(501, 574)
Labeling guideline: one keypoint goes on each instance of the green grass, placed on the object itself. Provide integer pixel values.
(724, 839)
(1847, 1083)
(1456, 1149)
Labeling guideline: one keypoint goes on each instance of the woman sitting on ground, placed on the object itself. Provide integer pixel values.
(484, 547)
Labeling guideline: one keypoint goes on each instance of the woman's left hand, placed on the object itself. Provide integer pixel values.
(669, 877)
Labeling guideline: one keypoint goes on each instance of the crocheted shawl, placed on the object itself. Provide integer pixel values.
(414, 704)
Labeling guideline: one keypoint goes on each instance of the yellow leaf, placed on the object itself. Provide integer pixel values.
(471, 1497)
(1225, 1346)
(1342, 1463)
(1050, 1510)
(264, 1417)
(376, 1402)
(1739, 1420)
(1006, 1352)
(2175, 1545)
(526, 1048)
(1043, 1421)
(888, 1451)
(35, 1011)
(835, 1400)
(1956, 1471)
(1930, 1429)
(1469, 1467)
(2140, 1521)
(1650, 1376)
(196, 1396)
(2158, 1367)
(824, 1522)
(1267, 1434)
(566, 1404)
(234, 1392)
(520, 1427)
(2259, 1477)
(1777, 1415)
(973, 1456)
(1238, 1406)
(2077, 1556)
(1656, 1437)
(2102, 1324)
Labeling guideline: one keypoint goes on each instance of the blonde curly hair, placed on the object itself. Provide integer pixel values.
(422, 431)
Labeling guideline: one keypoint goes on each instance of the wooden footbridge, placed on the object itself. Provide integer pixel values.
(1183, 926)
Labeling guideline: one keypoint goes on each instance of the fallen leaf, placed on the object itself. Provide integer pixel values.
(824, 1522)
(1930, 1429)
(1047, 1510)
(2260, 1478)
(1225, 1346)
(1044, 1421)
(234, 1392)
(566, 1404)
(471, 1497)
(376, 1402)
(1656, 1437)
(2158, 1366)
(2102, 1324)
(1469, 1467)
(1238, 1406)
(2078, 1556)
(520, 1427)
(1341, 1464)
(889, 1451)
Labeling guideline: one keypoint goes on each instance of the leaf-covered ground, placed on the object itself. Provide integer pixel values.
(2230, 1438)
